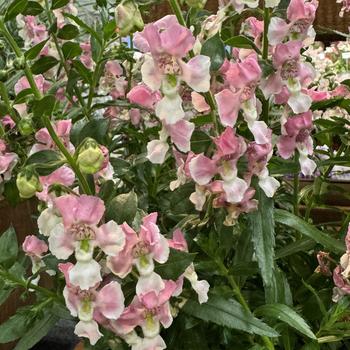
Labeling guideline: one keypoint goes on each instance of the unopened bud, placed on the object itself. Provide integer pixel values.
(90, 158)
(3, 75)
(25, 126)
(28, 183)
(128, 18)
(19, 62)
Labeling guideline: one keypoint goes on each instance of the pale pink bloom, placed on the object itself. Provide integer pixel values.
(239, 5)
(89, 305)
(8, 161)
(7, 121)
(149, 308)
(140, 249)
(31, 32)
(253, 28)
(79, 233)
(112, 82)
(62, 176)
(199, 102)
(317, 96)
(44, 140)
(34, 247)
(42, 84)
(59, 13)
(155, 343)
(178, 242)
(296, 136)
(300, 15)
(290, 78)
(340, 281)
(165, 43)
(86, 56)
(241, 79)
(143, 96)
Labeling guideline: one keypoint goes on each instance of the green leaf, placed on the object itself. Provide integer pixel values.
(96, 129)
(8, 245)
(33, 8)
(83, 72)
(15, 8)
(300, 245)
(285, 314)
(40, 328)
(261, 225)
(11, 192)
(83, 25)
(214, 48)
(286, 218)
(71, 50)
(43, 64)
(176, 264)
(200, 141)
(45, 106)
(122, 208)
(45, 162)
(15, 326)
(56, 4)
(228, 313)
(68, 32)
(4, 294)
(34, 51)
(242, 42)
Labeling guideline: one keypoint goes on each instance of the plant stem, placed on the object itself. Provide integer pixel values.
(177, 11)
(265, 52)
(5, 98)
(237, 292)
(296, 189)
(131, 64)
(84, 184)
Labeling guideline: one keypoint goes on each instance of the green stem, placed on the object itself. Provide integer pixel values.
(5, 98)
(131, 63)
(177, 11)
(265, 52)
(296, 189)
(84, 184)
(237, 292)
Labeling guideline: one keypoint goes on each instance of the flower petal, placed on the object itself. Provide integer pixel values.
(110, 238)
(85, 274)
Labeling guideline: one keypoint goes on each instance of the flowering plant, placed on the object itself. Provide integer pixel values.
(160, 156)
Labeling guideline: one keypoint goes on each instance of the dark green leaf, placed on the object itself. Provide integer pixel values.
(300, 245)
(289, 219)
(261, 225)
(33, 8)
(56, 4)
(242, 42)
(176, 264)
(15, 8)
(34, 51)
(43, 64)
(45, 162)
(71, 50)
(83, 25)
(45, 106)
(215, 49)
(68, 32)
(228, 313)
(96, 129)
(8, 245)
(84, 73)
(285, 314)
(15, 326)
(109, 29)
(39, 329)
(11, 192)
(122, 208)
(200, 141)
(4, 294)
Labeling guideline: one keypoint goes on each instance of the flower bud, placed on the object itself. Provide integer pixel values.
(90, 158)
(25, 126)
(128, 18)
(199, 4)
(19, 62)
(3, 75)
(28, 183)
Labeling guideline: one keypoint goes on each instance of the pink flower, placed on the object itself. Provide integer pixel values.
(201, 287)
(7, 121)
(300, 15)
(89, 305)
(34, 247)
(165, 43)
(112, 82)
(86, 56)
(79, 233)
(149, 308)
(42, 84)
(296, 135)
(8, 161)
(44, 140)
(141, 249)
(62, 176)
(31, 32)
(290, 78)
(144, 96)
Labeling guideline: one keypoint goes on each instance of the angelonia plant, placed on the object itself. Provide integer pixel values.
(164, 157)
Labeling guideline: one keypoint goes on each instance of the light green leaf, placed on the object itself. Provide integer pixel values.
(285, 314)
(286, 218)
(8, 245)
(228, 313)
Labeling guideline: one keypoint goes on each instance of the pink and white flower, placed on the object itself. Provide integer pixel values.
(140, 249)
(92, 304)
(79, 233)
(8, 161)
